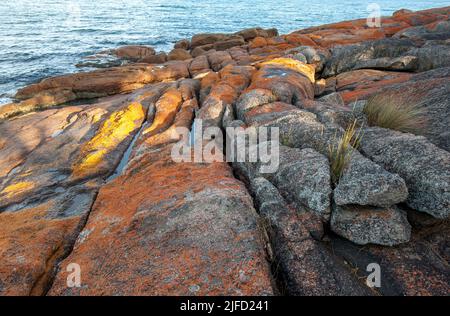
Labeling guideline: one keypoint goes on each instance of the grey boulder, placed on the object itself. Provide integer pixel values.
(423, 166)
(387, 227)
(365, 183)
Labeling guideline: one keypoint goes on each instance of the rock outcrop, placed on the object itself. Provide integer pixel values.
(88, 174)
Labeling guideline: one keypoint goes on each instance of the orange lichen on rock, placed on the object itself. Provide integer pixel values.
(19, 270)
(359, 84)
(188, 228)
(300, 40)
(34, 239)
(113, 131)
(166, 109)
(258, 42)
(305, 69)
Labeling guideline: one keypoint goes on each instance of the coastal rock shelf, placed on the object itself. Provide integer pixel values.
(87, 176)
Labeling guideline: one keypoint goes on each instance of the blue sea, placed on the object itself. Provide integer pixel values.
(43, 38)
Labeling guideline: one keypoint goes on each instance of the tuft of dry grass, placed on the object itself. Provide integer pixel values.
(397, 113)
(340, 150)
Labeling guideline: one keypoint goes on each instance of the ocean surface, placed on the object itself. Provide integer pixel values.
(43, 38)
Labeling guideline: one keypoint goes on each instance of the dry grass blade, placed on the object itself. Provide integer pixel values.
(397, 113)
(340, 150)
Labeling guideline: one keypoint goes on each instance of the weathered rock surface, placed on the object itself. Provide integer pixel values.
(224, 92)
(196, 235)
(431, 91)
(133, 52)
(159, 58)
(439, 30)
(99, 83)
(45, 201)
(252, 99)
(332, 98)
(365, 183)
(221, 41)
(179, 54)
(360, 84)
(36, 236)
(365, 225)
(422, 165)
(367, 55)
(95, 182)
(419, 267)
(303, 264)
(304, 178)
(88, 144)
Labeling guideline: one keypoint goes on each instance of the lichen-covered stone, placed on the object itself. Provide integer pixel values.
(422, 165)
(37, 235)
(363, 182)
(189, 229)
(366, 225)
(304, 178)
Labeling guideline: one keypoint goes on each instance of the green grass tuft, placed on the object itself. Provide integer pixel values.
(397, 113)
(340, 150)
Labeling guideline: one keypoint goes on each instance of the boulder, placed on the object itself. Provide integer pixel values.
(251, 99)
(183, 44)
(333, 115)
(303, 177)
(365, 183)
(268, 112)
(300, 40)
(204, 39)
(198, 51)
(219, 60)
(179, 54)
(421, 17)
(224, 92)
(288, 79)
(332, 99)
(258, 42)
(251, 33)
(434, 31)
(355, 56)
(386, 226)
(315, 56)
(360, 84)
(94, 84)
(432, 55)
(155, 59)
(229, 43)
(199, 65)
(422, 165)
(133, 52)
